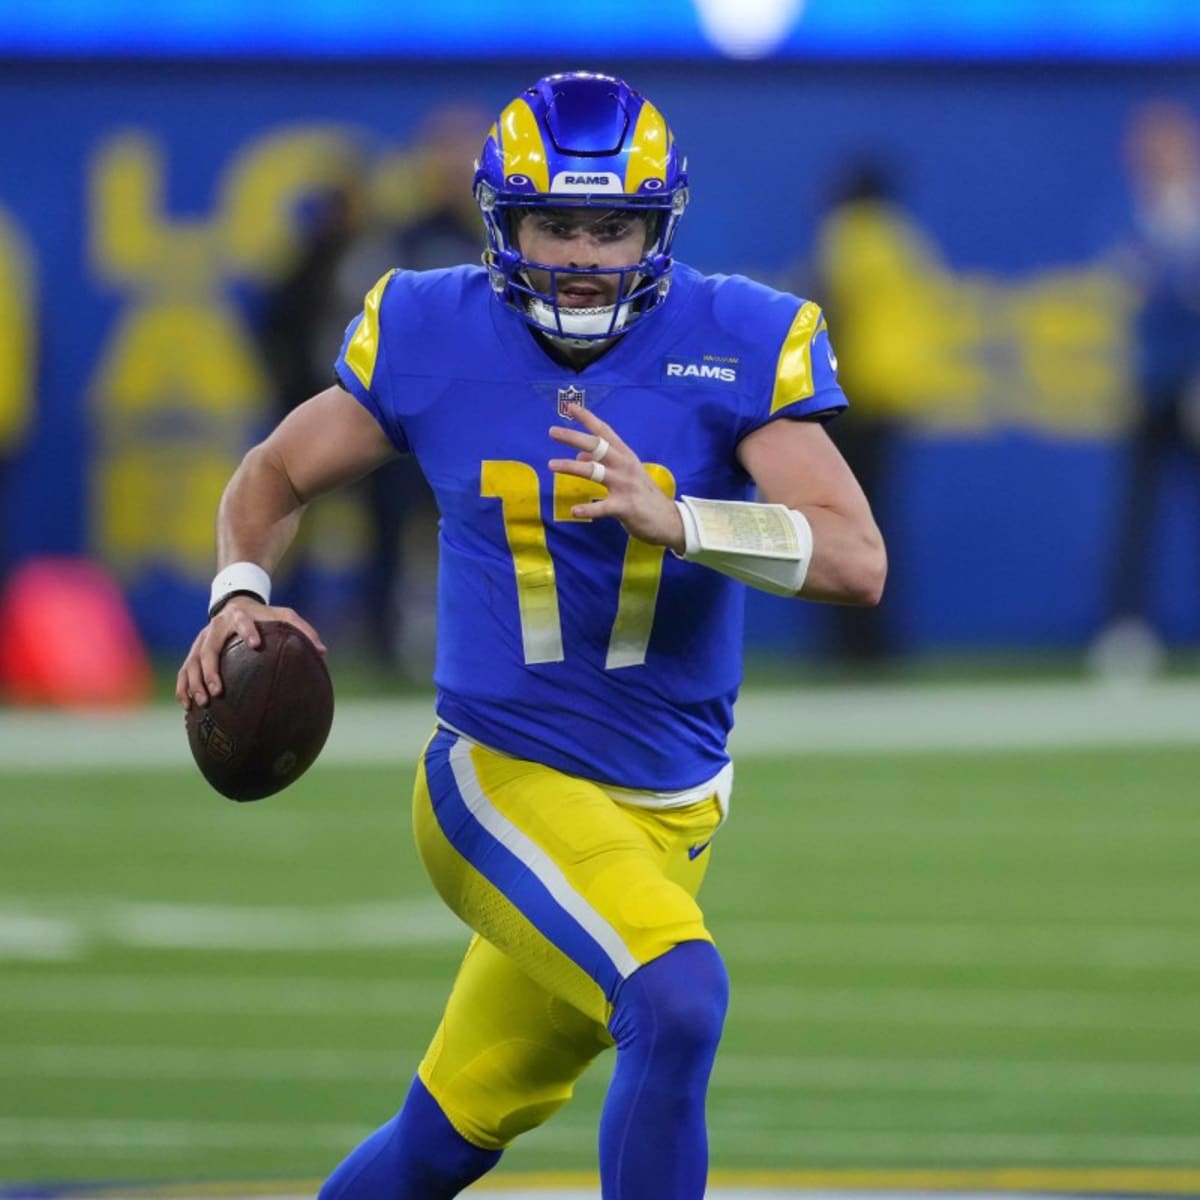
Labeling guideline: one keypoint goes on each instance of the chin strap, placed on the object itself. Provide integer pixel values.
(582, 321)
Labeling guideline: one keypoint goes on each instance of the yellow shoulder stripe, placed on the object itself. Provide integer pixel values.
(522, 146)
(793, 372)
(648, 150)
(364, 345)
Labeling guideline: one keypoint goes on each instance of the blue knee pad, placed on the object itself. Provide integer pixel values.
(667, 1021)
(679, 999)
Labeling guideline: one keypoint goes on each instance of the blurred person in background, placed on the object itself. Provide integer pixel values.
(873, 270)
(342, 248)
(18, 360)
(444, 230)
(590, 620)
(1162, 158)
(350, 242)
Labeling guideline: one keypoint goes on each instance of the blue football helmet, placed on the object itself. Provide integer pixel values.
(579, 140)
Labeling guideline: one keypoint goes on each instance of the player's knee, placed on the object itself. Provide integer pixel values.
(679, 1000)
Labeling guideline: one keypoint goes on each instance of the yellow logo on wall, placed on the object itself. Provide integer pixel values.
(179, 392)
(17, 342)
(943, 351)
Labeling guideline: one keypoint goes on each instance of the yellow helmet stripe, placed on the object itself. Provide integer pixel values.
(364, 345)
(793, 372)
(522, 147)
(649, 149)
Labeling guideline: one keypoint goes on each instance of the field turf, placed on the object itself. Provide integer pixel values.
(940, 959)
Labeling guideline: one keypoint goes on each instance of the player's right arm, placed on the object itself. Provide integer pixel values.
(328, 441)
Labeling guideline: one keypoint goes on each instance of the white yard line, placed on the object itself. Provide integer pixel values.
(802, 721)
(905, 1007)
(92, 1137)
(1131, 947)
(967, 1147)
(734, 1073)
(273, 995)
(80, 1136)
(53, 930)
(951, 1007)
(62, 929)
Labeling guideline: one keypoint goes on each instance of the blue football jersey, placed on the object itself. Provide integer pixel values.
(563, 640)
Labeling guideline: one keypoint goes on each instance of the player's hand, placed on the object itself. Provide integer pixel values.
(199, 678)
(633, 498)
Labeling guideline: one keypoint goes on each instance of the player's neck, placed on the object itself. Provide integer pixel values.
(575, 357)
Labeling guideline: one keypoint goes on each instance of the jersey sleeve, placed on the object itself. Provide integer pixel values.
(804, 383)
(361, 366)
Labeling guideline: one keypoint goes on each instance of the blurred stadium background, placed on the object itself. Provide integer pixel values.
(959, 894)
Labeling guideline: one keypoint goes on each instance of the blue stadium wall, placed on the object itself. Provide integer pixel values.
(156, 200)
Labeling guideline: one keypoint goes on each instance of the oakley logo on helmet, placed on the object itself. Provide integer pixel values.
(593, 181)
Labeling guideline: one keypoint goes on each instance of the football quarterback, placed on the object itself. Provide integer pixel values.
(618, 446)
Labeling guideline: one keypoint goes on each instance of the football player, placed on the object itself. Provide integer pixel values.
(618, 445)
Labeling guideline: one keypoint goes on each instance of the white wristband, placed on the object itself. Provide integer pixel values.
(768, 546)
(239, 577)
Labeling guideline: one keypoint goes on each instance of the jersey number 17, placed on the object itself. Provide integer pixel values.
(517, 487)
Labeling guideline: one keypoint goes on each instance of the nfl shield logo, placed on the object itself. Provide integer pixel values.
(569, 395)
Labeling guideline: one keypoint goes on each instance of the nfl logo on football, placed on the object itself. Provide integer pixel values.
(569, 395)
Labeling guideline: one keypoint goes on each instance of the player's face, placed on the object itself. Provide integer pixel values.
(564, 237)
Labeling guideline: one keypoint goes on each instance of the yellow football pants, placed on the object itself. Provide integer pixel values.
(568, 892)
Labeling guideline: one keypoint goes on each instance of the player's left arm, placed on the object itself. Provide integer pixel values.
(795, 463)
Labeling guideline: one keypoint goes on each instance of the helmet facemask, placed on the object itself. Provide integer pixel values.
(543, 291)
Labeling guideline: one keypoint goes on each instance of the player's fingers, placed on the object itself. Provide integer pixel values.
(242, 624)
(589, 456)
(196, 690)
(595, 508)
(193, 670)
(595, 426)
(574, 438)
(294, 618)
(211, 668)
(183, 680)
(182, 694)
(573, 466)
(207, 680)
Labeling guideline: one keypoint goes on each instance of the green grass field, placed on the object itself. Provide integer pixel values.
(942, 959)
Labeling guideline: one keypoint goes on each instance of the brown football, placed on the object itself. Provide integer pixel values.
(269, 723)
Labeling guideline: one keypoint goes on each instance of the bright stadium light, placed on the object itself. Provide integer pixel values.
(748, 28)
